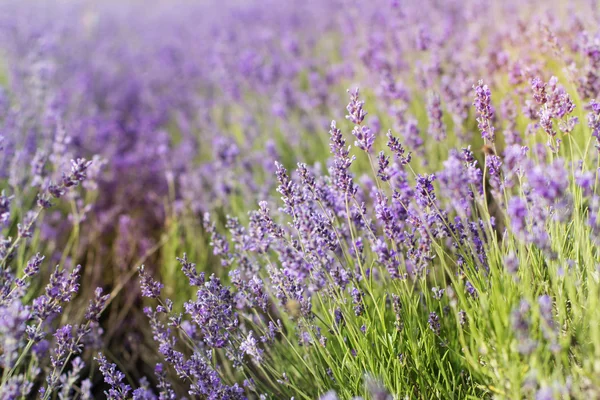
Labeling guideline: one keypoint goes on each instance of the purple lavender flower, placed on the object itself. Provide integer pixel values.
(213, 312)
(364, 137)
(485, 110)
(33, 265)
(494, 166)
(13, 319)
(424, 191)
(338, 317)
(412, 136)
(383, 163)
(65, 346)
(357, 300)
(462, 317)
(16, 387)
(539, 90)
(150, 287)
(434, 323)
(356, 114)
(594, 120)
(144, 392)
(113, 377)
(549, 182)
(387, 258)
(189, 269)
(287, 189)
(437, 293)
(61, 288)
(559, 101)
(164, 387)
(250, 346)
(545, 115)
(396, 147)
(470, 289)
(78, 172)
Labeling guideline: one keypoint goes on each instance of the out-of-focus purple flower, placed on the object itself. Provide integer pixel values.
(144, 392)
(96, 306)
(520, 320)
(387, 258)
(549, 182)
(545, 393)
(517, 212)
(437, 128)
(5, 201)
(586, 181)
(357, 300)
(331, 395)
(16, 387)
(13, 319)
(548, 325)
(511, 263)
(376, 389)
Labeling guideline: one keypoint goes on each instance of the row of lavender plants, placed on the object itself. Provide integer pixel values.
(187, 210)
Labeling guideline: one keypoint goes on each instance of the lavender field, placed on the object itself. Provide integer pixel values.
(320, 199)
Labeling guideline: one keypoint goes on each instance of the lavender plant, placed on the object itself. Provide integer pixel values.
(40, 350)
(409, 277)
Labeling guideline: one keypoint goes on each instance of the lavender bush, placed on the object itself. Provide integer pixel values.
(40, 349)
(440, 241)
(424, 290)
